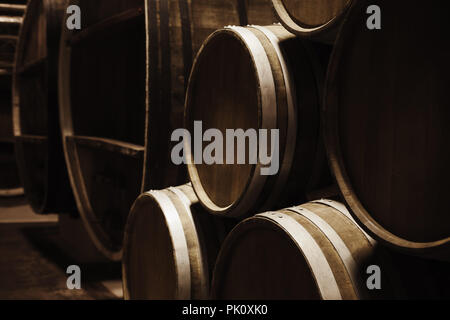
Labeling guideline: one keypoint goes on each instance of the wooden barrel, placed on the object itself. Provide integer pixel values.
(170, 246)
(317, 251)
(255, 78)
(318, 20)
(386, 121)
(10, 21)
(39, 151)
(122, 84)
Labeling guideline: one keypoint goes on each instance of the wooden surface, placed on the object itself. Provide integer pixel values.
(319, 20)
(36, 115)
(122, 84)
(225, 93)
(170, 246)
(316, 251)
(386, 122)
(10, 21)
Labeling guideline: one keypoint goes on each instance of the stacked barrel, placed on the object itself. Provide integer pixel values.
(11, 13)
(358, 115)
(372, 127)
(122, 87)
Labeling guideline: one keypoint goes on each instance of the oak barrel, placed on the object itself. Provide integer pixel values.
(317, 20)
(39, 150)
(170, 246)
(317, 251)
(10, 21)
(386, 118)
(255, 78)
(122, 84)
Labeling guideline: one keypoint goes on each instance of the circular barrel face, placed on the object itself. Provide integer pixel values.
(169, 246)
(387, 115)
(313, 14)
(263, 262)
(223, 94)
(151, 271)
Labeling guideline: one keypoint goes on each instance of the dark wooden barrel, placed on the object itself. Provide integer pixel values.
(10, 21)
(386, 121)
(317, 251)
(318, 20)
(122, 84)
(170, 246)
(256, 78)
(39, 149)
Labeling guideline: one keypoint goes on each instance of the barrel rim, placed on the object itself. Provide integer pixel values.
(438, 249)
(326, 32)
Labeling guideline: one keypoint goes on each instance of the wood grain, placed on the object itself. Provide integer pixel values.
(387, 137)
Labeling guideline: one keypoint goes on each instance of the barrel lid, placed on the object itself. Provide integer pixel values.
(156, 258)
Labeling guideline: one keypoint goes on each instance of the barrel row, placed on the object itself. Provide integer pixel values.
(121, 96)
(107, 152)
(11, 13)
(375, 112)
(313, 251)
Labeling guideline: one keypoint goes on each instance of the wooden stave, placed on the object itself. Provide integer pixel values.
(438, 249)
(194, 252)
(326, 33)
(54, 193)
(9, 27)
(258, 188)
(431, 276)
(101, 238)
